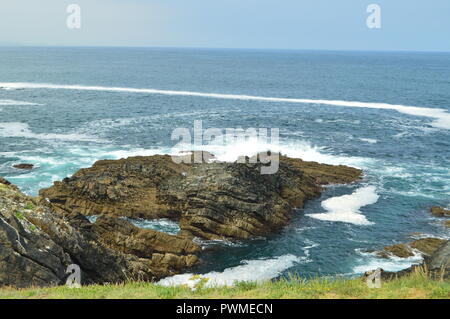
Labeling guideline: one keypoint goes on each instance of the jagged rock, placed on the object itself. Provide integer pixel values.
(123, 235)
(426, 246)
(28, 256)
(169, 254)
(4, 181)
(41, 237)
(440, 212)
(24, 166)
(210, 200)
(37, 245)
(440, 259)
(398, 250)
(117, 188)
(435, 266)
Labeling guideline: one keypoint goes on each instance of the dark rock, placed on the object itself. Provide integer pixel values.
(28, 256)
(24, 166)
(210, 200)
(168, 254)
(39, 238)
(440, 259)
(37, 245)
(4, 181)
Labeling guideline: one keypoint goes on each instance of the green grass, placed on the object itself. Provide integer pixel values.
(30, 206)
(19, 215)
(415, 286)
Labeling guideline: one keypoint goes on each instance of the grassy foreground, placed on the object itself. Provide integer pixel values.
(415, 286)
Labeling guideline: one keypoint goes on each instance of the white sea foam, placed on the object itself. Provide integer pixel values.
(392, 263)
(14, 102)
(17, 129)
(208, 243)
(369, 140)
(346, 208)
(163, 224)
(230, 152)
(251, 270)
(137, 152)
(440, 116)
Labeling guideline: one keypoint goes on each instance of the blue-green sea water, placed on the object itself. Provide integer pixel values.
(62, 109)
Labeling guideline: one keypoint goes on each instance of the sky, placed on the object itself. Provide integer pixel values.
(417, 25)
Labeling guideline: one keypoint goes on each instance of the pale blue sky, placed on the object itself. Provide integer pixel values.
(420, 25)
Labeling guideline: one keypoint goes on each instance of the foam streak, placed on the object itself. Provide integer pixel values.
(441, 116)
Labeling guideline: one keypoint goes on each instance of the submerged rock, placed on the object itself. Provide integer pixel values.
(211, 200)
(440, 212)
(24, 166)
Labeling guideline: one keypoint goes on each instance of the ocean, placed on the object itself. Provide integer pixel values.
(387, 113)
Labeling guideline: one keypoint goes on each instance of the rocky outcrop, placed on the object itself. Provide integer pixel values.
(28, 256)
(435, 265)
(435, 253)
(426, 246)
(210, 200)
(37, 245)
(4, 182)
(440, 212)
(168, 254)
(40, 237)
(24, 166)
(440, 259)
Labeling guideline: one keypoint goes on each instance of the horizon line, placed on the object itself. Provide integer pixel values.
(216, 48)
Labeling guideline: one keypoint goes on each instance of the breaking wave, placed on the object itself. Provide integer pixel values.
(250, 270)
(371, 262)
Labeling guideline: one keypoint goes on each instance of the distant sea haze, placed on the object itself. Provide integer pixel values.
(62, 109)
